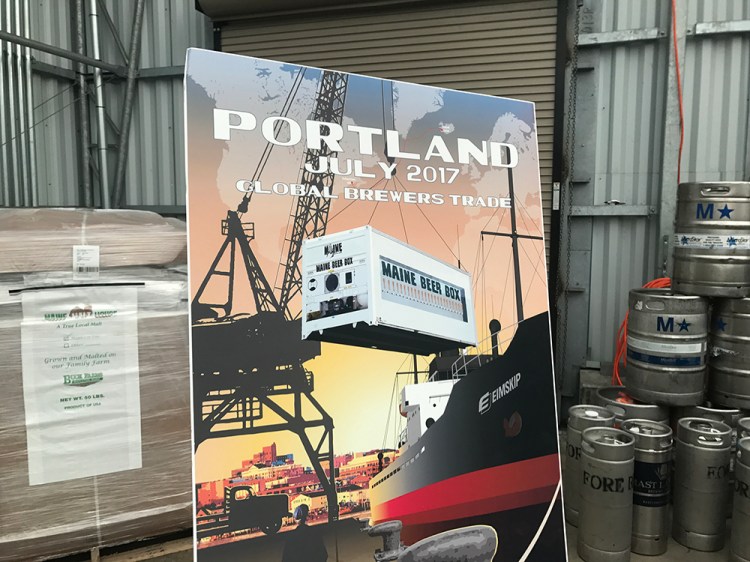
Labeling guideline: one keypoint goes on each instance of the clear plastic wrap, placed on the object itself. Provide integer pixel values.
(42, 239)
(55, 518)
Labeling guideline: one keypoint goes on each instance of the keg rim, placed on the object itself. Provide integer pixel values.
(607, 415)
(627, 438)
(733, 414)
(743, 450)
(691, 435)
(608, 444)
(666, 431)
(744, 423)
(689, 184)
(667, 292)
(602, 393)
(729, 306)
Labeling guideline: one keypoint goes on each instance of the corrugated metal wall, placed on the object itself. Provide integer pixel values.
(155, 171)
(58, 174)
(155, 155)
(498, 48)
(620, 129)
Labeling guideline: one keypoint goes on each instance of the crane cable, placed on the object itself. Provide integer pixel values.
(621, 344)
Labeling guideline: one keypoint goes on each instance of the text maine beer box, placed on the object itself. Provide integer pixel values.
(362, 287)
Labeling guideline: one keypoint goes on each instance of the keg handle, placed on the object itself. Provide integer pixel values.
(655, 305)
(587, 447)
(711, 441)
(712, 191)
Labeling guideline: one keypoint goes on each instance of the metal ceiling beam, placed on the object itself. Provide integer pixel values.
(612, 211)
(620, 36)
(57, 51)
(717, 27)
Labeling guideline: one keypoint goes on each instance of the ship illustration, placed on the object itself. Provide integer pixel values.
(480, 444)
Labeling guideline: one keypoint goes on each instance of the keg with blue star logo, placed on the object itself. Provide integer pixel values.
(711, 246)
(667, 346)
(729, 359)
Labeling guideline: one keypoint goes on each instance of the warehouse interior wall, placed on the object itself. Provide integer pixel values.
(623, 142)
(40, 124)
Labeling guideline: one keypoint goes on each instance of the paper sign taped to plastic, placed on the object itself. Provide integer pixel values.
(81, 382)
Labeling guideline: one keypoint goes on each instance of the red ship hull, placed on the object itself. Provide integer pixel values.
(524, 483)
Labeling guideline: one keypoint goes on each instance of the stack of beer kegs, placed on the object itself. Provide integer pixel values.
(688, 349)
(712, 261)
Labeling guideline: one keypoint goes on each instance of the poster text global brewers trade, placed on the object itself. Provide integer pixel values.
(283, 131)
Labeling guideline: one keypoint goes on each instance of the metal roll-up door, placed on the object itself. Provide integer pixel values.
(499, 48)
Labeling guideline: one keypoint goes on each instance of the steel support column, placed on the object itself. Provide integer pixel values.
(101, 127)
(10, 95)
(127, 108)
(3, 136)
(671, 143)
(83, 107)
(33, 194)
(23, 122)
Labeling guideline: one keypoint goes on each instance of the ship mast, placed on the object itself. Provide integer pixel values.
(514, 236)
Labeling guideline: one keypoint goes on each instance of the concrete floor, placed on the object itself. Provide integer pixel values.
(675, 552)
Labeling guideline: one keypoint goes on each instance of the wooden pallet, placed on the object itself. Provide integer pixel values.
(176, 547)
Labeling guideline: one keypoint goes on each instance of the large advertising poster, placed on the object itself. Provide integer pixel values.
(370, 322)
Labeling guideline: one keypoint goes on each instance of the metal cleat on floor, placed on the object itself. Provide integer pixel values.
(391, 533)
(469, 544)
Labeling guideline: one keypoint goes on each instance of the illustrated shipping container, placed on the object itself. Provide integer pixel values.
(364, 288)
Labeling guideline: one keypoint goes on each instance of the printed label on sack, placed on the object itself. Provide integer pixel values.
(712, 241)
(651, 484)
(81, 382)
(86, 263)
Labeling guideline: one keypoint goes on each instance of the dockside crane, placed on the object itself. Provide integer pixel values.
(244, 363)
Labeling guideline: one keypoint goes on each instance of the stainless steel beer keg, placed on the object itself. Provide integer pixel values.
(729, 416)
(743, 428)
(580, 417)
(651, 485)
(729, 357)
(701, 491)
(606, 514)
(667, 347)
(739, 544)
(624, 407)
(711, 245)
